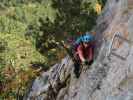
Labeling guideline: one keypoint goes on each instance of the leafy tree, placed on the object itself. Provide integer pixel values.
(72, 16)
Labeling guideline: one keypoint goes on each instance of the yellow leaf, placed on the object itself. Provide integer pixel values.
(98, 8)
(53, 50)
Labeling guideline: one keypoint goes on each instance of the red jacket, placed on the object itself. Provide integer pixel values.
(85, 53)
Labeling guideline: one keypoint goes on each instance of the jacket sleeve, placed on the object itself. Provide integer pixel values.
(80, 53)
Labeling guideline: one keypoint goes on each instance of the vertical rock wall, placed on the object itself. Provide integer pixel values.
(111, 75)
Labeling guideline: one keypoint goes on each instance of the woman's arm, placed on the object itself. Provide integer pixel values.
(80, 53)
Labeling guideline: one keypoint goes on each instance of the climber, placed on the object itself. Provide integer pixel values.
(85, 48)
(81, 51)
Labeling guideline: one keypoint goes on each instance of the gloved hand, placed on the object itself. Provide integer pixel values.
(85, 62)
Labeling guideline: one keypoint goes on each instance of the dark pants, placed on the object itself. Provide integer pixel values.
(77, 64)
(77, 69)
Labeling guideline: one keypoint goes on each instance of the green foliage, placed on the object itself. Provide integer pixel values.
(18, 53)
(102, 2)
(17, 48)
(72, 16)
(11, 26)
(3, 48)
(30, 31)
(20, 50)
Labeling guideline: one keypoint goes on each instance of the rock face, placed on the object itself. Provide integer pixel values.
(110, 77)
